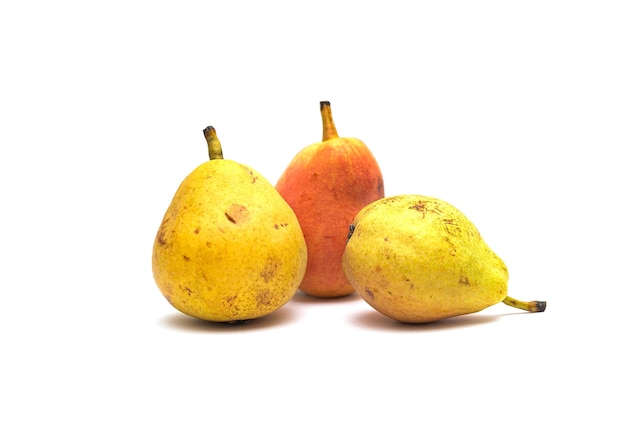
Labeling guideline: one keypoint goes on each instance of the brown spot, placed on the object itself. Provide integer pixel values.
(420, 207)
(186, 258)
(386, 239)
(269, 271)
(161, 238)
(237, 214)
(449, 224)
(451, 227)
(254, 177)
(463, 280)
(197, 230)
(452, 246)
(369, 293)
(435, 208)
(264, 298)
(189, 291)
(276, 226)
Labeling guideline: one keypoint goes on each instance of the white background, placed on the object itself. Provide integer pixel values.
(512, 111)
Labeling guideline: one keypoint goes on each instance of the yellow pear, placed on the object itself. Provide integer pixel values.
(229, 248)
(418, 259)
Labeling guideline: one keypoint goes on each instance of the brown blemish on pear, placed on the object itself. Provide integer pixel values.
(451, 269)
(210, 253)
(237, 214)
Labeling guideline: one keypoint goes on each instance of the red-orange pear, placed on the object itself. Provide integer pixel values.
(326, 184)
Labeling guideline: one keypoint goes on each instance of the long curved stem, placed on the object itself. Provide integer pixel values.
(532, 306)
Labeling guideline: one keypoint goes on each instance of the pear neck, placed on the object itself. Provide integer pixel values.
(329, 130)
(215, 147)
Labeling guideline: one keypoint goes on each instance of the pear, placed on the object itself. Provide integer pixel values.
(326, 184)
(418, 259)
(229, 248)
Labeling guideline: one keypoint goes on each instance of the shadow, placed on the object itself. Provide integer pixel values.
(515, 313)
(182, 322)
(378, 321)
(304, 298)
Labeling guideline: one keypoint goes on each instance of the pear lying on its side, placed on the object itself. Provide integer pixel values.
(418, 259)
(229, 247)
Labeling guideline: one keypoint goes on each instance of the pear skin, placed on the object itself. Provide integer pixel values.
(229, 248)
(418, 259)
(326, 184)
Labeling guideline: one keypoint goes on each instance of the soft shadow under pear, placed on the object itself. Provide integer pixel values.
(182, 322)
(301, 297)
(377, 321)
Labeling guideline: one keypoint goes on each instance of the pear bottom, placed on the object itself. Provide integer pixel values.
(420, 298)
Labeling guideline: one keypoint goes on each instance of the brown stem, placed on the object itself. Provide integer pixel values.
(533, 306)
(215, 147)
(329, 132)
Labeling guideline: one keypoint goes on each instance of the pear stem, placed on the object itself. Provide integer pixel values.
(532, 306)
(215, 147)
(330, 132)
